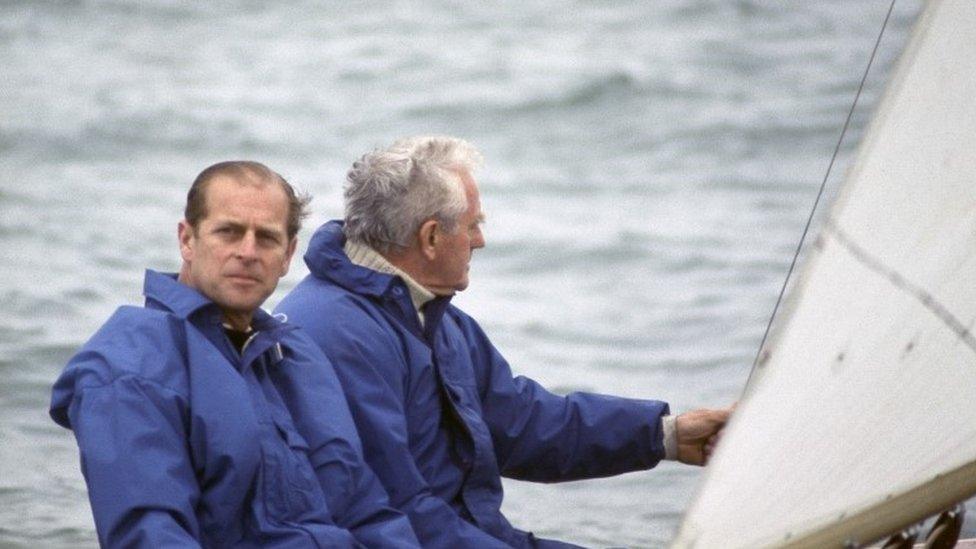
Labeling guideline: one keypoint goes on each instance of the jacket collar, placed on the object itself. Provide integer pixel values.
(326, 259)
(163, 291)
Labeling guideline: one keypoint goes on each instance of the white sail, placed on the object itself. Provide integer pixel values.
(862, 418)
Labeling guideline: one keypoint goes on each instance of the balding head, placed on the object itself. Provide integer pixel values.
(244, 172)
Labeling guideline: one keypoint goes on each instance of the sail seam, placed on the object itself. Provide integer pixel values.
(923, 296)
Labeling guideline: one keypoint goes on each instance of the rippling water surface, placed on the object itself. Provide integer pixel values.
(649, 169)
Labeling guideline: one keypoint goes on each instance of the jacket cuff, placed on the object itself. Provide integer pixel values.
(670, 437)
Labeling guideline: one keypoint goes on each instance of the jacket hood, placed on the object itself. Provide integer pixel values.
(327, 260)
(165, 295)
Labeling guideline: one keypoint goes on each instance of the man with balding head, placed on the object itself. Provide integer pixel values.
(441, 414)
(203, 421)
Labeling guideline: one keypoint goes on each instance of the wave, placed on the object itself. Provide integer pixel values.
(597, 90)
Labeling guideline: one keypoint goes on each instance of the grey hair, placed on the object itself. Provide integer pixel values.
(391, 192)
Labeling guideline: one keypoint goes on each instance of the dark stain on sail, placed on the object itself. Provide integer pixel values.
(838, 363)
(818, 243)
(910, 346)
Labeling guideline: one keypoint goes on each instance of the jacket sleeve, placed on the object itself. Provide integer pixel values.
(134, 457)
(543, 437)
(322, 415)
(372, 369)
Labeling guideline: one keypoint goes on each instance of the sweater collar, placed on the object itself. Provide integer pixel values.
(326, 259)
(365, 256)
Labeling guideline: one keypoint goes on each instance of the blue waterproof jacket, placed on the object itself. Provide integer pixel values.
(439, 411)
(185, 442)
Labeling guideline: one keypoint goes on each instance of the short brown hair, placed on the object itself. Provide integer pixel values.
(244, 170)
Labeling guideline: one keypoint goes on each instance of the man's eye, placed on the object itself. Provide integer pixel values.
(227, 233)
(269, 238)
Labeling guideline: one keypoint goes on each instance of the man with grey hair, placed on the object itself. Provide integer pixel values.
(440, 413)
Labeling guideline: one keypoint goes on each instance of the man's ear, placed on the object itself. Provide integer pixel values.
(185, 233)
(292, 246)
(427, 238)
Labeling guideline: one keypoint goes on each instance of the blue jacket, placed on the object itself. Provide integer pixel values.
(184, 442)
(439, 411)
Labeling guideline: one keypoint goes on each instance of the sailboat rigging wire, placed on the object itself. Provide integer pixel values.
(823, 185)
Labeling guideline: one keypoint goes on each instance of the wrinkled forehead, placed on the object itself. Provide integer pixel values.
(236, 196)
(471, 193)
(466, 182)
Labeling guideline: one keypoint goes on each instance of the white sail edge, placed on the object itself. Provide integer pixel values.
(794, 295)
(876, 517)
(893, 514)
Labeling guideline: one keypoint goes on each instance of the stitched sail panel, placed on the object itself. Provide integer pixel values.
(862, 420)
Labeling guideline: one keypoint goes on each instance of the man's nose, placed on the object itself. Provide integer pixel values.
(478, 239)
(247, 247)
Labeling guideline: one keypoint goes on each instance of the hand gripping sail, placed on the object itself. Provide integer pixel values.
(861, 420)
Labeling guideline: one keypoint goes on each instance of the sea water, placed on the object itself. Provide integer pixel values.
(649, 168)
